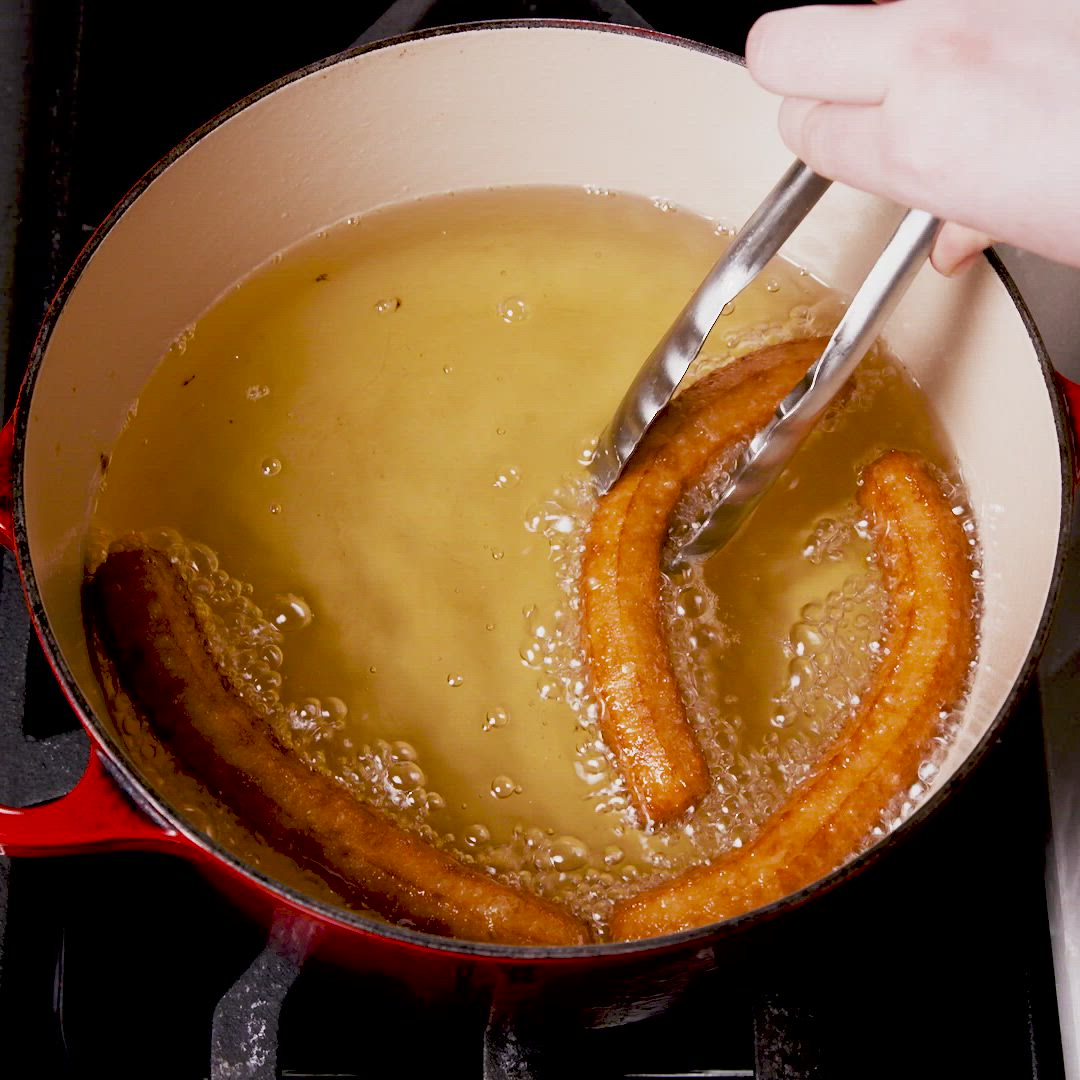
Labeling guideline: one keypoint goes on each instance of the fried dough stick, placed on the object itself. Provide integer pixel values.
(929, 647)
(139, 608)
(644, 722)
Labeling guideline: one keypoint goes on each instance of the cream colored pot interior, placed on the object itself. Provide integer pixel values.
(511, 106)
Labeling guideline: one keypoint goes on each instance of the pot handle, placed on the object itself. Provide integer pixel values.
(7, 451)
(94, 816)
(1070, 395)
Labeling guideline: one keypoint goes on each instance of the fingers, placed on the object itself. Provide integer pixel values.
(957, 248)
(847, 143)
(839, 54)
(964, 108)
(842, 142)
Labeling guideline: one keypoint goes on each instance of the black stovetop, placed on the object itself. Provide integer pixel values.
(132, 965)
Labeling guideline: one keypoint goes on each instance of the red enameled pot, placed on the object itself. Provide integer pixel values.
(479, 106)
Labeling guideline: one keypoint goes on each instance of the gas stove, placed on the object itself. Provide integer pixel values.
(132, 965)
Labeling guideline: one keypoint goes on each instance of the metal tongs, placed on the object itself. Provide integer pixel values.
(769, 451)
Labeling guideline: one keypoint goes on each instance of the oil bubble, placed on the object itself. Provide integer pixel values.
(182, 341)
(502, 787)
(512, 310)
(691, 602)
(587, 451)
(287, 611)
(202, 560)
(406, 775)
(548, 689)
(454, 680)
(273, 657)
(305, 716)
(270, 466)
(475, 835)
(496, 718)
(335, 710)
(387, 305)
(565, 853)
(531, 655)
(258, 392)
(613, 855)
(403, 751)
(509, 477)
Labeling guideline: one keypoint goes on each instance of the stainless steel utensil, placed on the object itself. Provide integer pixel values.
(769, 451)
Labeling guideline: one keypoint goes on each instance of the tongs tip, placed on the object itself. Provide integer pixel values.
(605, 465)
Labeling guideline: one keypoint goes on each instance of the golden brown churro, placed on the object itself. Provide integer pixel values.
(644, 722)
(929, 648)
(143, 623)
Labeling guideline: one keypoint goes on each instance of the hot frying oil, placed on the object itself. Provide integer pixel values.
(370, 458)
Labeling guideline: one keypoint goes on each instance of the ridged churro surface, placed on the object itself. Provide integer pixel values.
(926, 659)
(644, 722)
(148, 635)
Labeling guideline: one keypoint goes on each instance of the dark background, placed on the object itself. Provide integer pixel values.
(116, 965)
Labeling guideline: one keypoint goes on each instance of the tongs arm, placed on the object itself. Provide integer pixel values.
(760, 239)
(771, 448)
(757, 242)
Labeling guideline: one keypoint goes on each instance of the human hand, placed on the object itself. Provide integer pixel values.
(969, 109)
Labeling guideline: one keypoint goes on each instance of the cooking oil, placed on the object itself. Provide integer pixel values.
(370, 462)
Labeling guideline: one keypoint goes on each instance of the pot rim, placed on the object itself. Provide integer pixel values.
(126, 775)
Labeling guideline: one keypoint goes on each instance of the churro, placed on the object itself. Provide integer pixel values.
(644, 723)
(150, 647)
(925, 662)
